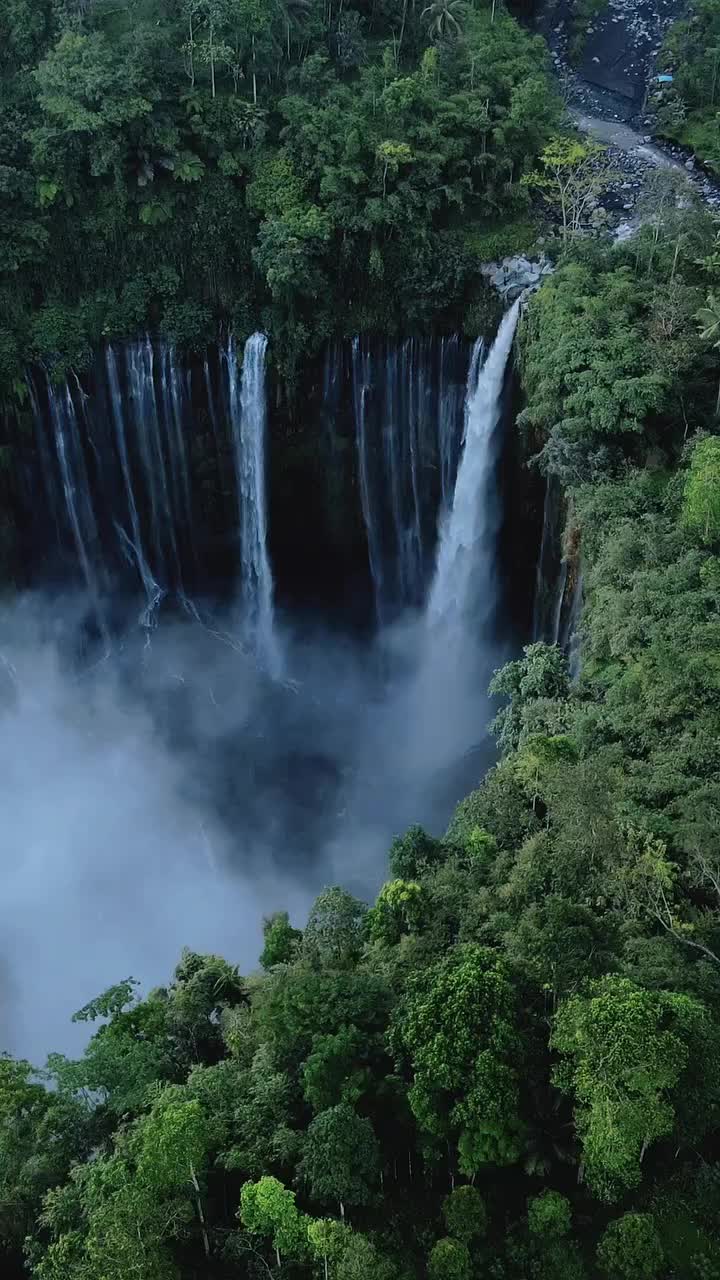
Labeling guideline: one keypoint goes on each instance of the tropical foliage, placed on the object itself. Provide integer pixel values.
(323, 166)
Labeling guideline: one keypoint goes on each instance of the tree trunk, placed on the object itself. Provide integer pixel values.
(212, 61)
(342, 1210)
(402, 30)
(201, 1214)
(254, 73)
(191, 46)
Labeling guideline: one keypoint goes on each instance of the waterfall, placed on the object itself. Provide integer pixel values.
(159, 505)
(76, 489)
(465, 556)
(248, 421)
(44, 454)
(133, 546)
(407, 402)
(361, 365)
(414, 379)
(174, 393)
(451, 649)
(450, 408)
(141, 378)
(571, 639)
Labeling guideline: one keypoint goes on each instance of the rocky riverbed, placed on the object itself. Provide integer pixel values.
(606, 95)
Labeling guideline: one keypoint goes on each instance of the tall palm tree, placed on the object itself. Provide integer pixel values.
(445, 18)
(708, 318)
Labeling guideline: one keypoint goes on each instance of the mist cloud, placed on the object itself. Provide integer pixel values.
(166, 793)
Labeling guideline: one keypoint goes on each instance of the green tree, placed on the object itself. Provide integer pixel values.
(538, 682)
(41, 1136)
(625, 1053)
(335, 1071)
(281, 940)
(701, 503)
(572, 175)
(88, 95)
(268, 1208)
(25, 26)
(328, 1240)
(444, 19)
(708, 318)
(413, 852)
(456, 1029)
(391, 155)
(174, 1141)
(465, 1214)
(449, 1260)
(360, 1258)
(397, 910)
(631, 1247)
(262, 1134)
(549, 1215)
(341, 1158)
(335, 930)
(126, 1054)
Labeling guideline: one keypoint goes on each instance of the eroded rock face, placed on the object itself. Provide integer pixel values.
(514, 276)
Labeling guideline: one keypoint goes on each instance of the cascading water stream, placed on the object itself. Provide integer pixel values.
(133, 546)
(407, 402)
(44, 455)
(141, 366)
(415, 381)
(466, 551)
(450, 648)
(76, 489)
(450, 406)
(361, 363)
(248, 413)
(571, 643)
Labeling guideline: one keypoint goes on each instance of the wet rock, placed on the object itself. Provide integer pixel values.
(513, 276)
